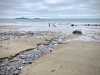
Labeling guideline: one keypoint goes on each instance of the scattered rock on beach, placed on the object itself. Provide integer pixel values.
(72, 24)
(77, 32)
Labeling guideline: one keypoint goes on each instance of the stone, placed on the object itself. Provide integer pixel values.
(2, 65)
(19, 68)
(72, 24)
(8, 67)
(16, 72)
(50, 48)
(22, 56)
(5, 38)
(60, 41)
(53, 43)
(1, 72)
(30, 62)
(40, 47)
(24, 62)
(52, 70)
(0, 46)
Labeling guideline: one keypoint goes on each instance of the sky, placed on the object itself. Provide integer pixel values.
(69, 9)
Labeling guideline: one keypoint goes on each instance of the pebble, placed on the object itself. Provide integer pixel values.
(0, 46)
(16, 72)
(15, 64)
(8, 67)
(0, 71)
(22, 56)
(60, 41)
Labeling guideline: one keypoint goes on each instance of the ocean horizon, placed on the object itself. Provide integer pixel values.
(50, 20)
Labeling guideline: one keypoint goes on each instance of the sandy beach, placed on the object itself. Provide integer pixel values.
(49, 37)
(76, 57)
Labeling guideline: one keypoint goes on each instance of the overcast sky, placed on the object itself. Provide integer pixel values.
(50, 8)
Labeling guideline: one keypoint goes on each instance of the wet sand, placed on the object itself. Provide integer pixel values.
(11, 47)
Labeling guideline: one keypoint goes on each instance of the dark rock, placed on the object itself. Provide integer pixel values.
(88, 24)
(1, 72)
(0, 46)
(77, 32)
(53, 71)
(72, 24)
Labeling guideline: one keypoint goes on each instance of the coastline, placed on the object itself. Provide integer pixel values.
(64, 57)
(11, 45)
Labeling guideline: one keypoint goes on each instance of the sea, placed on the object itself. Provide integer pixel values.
(50, 20)
(48, 24)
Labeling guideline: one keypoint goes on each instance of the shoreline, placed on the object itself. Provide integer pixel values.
(40, 39)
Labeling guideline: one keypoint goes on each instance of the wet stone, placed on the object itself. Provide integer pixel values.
(60, 41)
(22, 56)
(40, 47)
(19, 68)
(53, 43)
(16, 72)
(2, 65)
(1, 72)
(13, 66)
(8, 67)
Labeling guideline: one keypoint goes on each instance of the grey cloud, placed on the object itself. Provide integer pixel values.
(49, 8)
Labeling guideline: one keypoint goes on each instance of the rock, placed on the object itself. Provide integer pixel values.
(1, 72)
(2, 65)
(47, 39)
(52, 70)
(1, 39)
(30, 62)
(30, 32)
(15, 59)
(50, 48)
(5, 38)
(24, 62)
(19, 68)
(77, 32)
(14, 65)
(53, 43)
(40, 47)
(16, 72)
(60, 41)
(8, 67)
(72, 24)
(22, 56)
(0, 46)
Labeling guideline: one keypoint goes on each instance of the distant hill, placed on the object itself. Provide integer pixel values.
(36, 18)
(22, 18)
